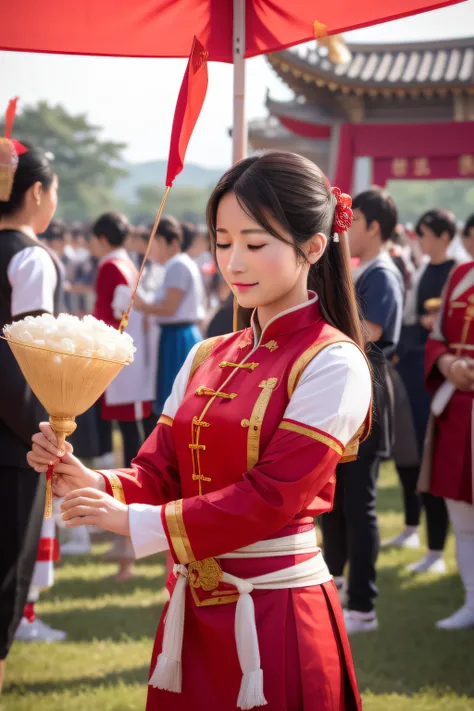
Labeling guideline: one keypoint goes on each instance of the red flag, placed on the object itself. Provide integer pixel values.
(10, 117)
(190, 100)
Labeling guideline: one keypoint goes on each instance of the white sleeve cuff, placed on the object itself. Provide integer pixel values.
(146, 530)
(121, 300)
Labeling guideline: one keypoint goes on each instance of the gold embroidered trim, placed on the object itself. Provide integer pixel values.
(116, 485)
(204, 350)
(200, 423)
(318, 436)
(204, 390)
(271, 345)
(352, 447)
(305, 358)
(131, 477)
(224, 598)
(256, 421)
(177, 531)
(165, 420)
(205, 574)
(244, 366)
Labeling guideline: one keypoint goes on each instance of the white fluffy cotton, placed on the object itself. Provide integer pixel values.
(70, 334)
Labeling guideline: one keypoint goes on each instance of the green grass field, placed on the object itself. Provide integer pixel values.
(406, 665)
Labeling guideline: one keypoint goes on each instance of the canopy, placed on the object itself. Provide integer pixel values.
(165, 28)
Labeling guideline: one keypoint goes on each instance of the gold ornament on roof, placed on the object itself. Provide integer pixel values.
(338, 51)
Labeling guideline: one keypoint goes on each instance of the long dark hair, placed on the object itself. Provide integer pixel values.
(33, 167)
(296, 193)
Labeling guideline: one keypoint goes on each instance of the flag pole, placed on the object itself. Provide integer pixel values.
(239, 129)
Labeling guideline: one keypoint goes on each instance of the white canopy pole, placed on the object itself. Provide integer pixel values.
(239, 129)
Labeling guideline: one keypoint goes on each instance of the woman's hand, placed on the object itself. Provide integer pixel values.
(428, 321)
(461, 374)
(90, 507)
(69, 472)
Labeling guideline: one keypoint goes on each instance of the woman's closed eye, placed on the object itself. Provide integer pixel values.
(252, 247)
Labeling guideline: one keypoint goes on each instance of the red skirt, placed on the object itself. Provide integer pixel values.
(451, 468)
(125, 413)
(304, 649)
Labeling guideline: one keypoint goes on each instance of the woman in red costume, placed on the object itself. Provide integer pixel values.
(244, 457)
(449, 367)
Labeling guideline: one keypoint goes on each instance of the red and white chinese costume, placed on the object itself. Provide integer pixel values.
(448, 469)
(451, 460)
(241, 461)
(130, 395)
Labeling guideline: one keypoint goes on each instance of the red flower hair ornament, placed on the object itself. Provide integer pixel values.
(343, 213)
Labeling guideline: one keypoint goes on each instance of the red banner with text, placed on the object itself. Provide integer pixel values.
(423, 168)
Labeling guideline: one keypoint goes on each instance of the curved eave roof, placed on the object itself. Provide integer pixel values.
(410, 67)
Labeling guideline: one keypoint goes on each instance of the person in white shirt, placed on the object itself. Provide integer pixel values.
(178, 306)
(30, 284)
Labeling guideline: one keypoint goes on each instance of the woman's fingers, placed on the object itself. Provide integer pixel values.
(39, 464)
(44, 443)
(85, 509)
(49, 433)
(41, 455)
(34, 464)
(88, 493)
(81, 521)
(69, 504)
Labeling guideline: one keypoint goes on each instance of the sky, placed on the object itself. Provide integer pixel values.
(134, 99)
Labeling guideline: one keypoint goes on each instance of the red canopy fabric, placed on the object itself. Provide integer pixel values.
(165, 28)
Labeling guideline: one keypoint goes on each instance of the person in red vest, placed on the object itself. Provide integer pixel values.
(128, 400)
(448, 464)
(244, 457)
(124, 401)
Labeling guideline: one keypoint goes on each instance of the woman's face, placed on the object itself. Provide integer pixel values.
(259, 268)
(46, 201)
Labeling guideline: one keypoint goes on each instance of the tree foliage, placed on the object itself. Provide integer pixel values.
(185, 203)
(414, 197)
(87, 166)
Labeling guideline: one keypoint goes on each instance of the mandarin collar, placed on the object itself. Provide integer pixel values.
(288, 321)
(119, 253)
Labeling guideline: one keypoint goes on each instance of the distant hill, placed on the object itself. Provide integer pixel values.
(154, 173)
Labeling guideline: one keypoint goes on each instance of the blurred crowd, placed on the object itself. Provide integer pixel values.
(71, 242)
(399, 272)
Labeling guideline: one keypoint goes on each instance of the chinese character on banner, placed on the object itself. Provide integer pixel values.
(466, 165)
(421, 167)
(399, 167)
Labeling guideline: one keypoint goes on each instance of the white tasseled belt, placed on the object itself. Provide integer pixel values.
(167, 674)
